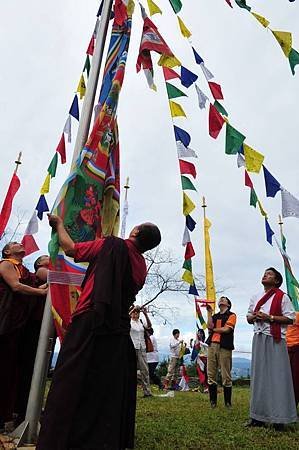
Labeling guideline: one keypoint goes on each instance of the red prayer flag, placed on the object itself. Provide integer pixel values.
(29, 244)
(248, 181)
(7, 204)
(216, 90)
(61, 149)
(187, 168)
(120, 12)
(170, 74)
(229, 3)
(189, 252)
(91, 45)
(151, 39)
(216, 122)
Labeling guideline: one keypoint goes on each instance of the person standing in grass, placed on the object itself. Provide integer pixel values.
(272, 393)
(153, 360)
(174, 362)
(221, 344)
(293, 350)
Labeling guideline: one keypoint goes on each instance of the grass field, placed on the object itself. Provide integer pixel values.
(187, 422)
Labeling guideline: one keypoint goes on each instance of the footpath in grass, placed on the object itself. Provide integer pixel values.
(187, 422)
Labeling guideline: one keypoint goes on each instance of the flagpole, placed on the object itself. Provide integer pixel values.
(28, 430)
(89, 98)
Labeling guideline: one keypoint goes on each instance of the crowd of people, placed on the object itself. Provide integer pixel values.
(99, 393)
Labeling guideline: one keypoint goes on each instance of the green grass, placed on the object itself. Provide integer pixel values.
(187, 422)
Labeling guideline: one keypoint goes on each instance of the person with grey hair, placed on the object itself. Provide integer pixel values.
(272, 394)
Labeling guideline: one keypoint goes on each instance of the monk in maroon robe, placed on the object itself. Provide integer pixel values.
(92, 399)
(16, 292)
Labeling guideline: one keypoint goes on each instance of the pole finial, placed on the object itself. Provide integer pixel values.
(18, 161)
(204, 205)
(280, 222)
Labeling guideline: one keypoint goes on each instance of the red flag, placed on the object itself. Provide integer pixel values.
(216, 122)
(248, 181)
(120, 12)
(151, 39)
(216, 90)
(229, 3)
(29, 244)
(170, 74)
(61, 149)
(90, 48)
(7, 204)
(189, 252)
(187, 167)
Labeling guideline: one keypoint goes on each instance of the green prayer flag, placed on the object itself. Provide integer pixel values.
(220, 108)
(187, 265)
(242, 4)
(176, 5)
(253, 198)
(174, 92)
(187, 184)
(87, 65)
(53, 165)
(293, 59)
(233, 140)
(291, 282)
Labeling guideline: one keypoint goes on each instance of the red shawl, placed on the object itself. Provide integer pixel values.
(275, 310)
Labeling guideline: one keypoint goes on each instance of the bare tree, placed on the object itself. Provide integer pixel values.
(11, 234)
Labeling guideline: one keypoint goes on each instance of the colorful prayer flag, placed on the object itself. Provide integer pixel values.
(176, 5)
(190, 223)
(233, 140)
(253, 198)
(74, 109)
(87, 65)
(188, 205)
(220, 108)
(53, 166)
(81, 87)
(61, 149)
(187, 168)
(198, 58)
(269, 232)
(262, 20)
(216, 90)
(289, 204)
(185, 152)
(272, 185)
(68, 128)
(173, 91)
(91, 46)
(176, 109)
(41, 207)
(284, 38)
(248, 181)
(182, 135)
(187, 77)
(210, 285)
(202, 98)
(216, 122)
(153, 8)
(242, 4)
(253, 159)
(188, 277)
(262, 211)
(186, 237)
(209, 76)
(46, 185)
(187, 184)
(170, 74)
(189, 252)
(184, 30)
(293, 59)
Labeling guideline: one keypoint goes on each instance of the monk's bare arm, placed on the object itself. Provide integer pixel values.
(10, 276)
(65, 240)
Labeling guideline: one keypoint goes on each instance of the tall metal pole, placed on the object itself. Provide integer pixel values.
(28, 430)
(88, 104)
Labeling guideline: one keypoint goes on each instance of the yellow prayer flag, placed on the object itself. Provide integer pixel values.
(81, 87)
(176, 109)
(153, 8)
(188, 204)
(168, 61)
(184, 30)
(188, 277)
(262, 20)
(130, 8)
(253, 159)
(263, 212)
(210, 285)
(46, 185)
(284, 38)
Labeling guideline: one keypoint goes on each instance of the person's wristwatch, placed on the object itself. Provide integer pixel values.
(271, 318)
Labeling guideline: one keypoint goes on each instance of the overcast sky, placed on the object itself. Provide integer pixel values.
(42, 47)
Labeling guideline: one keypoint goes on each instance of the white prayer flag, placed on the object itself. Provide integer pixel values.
(124, 219)
(206, 72)
(185, 152)
(240, 160)
(186, 237)
(289, 204)
(202, 98)
(32, 227)
(68, 129)
(150, 79)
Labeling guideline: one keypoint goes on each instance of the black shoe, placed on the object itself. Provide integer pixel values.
(227, 391)
(213, 394)
(254, 423)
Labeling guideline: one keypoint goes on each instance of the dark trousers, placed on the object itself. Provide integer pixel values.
(294, 361)
(92, 400)
(154, 378)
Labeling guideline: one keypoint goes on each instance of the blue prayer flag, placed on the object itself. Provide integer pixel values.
(187, 77)
(182, 135)
(41, 207)
(198, 58)
(193, 290)
(269, 232)
(272, 185)
(74, 110)
(190, 223)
